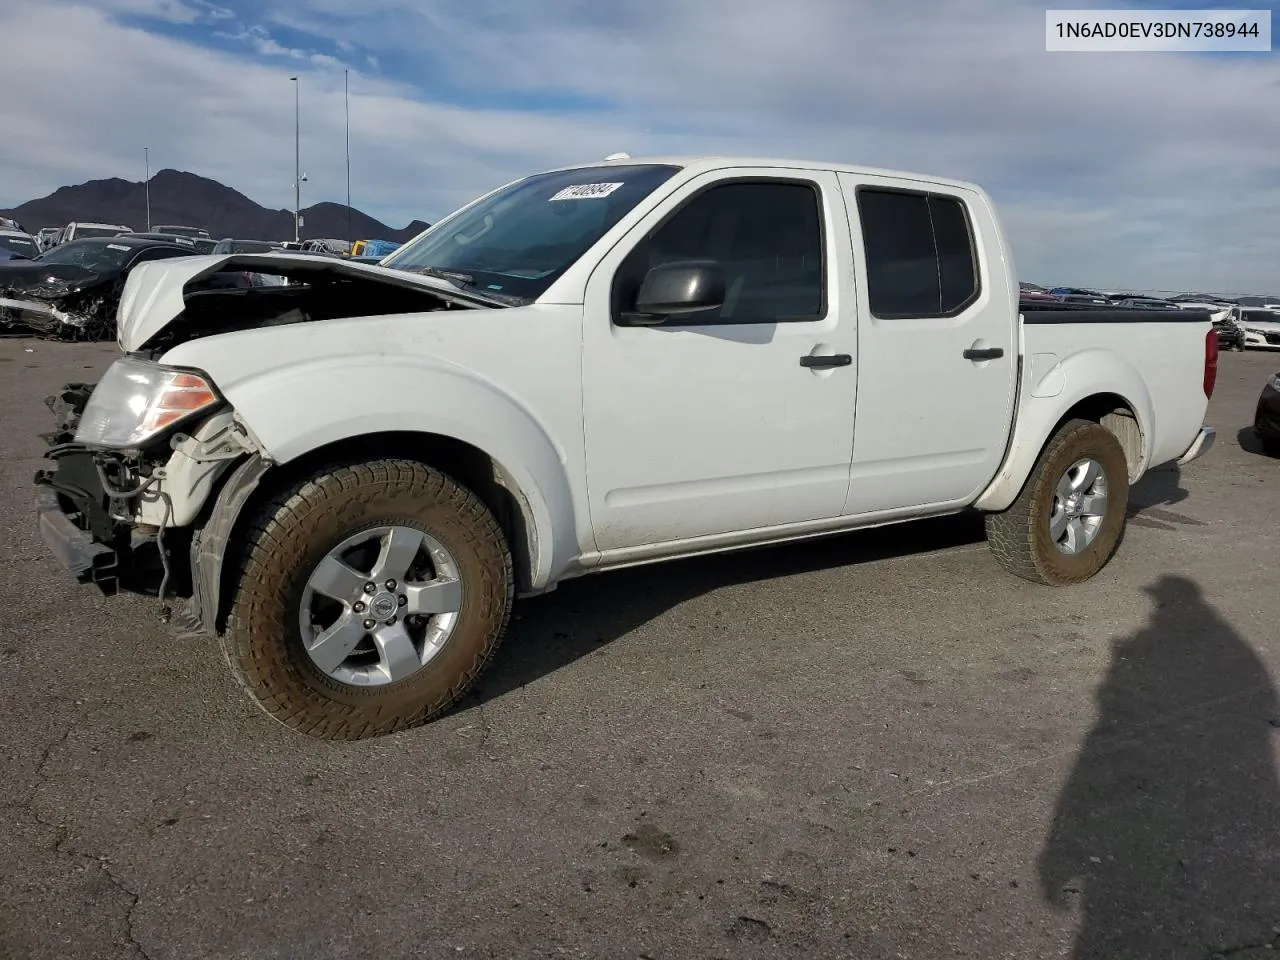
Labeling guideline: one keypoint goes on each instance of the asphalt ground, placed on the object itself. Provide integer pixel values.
(876, 745)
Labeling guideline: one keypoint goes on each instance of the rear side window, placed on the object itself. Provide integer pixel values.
(919, 253)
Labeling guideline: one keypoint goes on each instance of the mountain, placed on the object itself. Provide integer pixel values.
(184, 198)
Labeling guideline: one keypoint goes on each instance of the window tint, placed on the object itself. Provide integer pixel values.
(957, 272)
(919, 253)
(766, 236)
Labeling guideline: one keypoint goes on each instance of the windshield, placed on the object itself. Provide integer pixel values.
(91, 254)
(518, 242)
(23, 245)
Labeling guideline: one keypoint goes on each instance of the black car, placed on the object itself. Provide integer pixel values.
(72, 291)
(1266, 420)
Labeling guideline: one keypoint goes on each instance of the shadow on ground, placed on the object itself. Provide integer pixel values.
(556, 629)
(1250, 443)
(1165, 833)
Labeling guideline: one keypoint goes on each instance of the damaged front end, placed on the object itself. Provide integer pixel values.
(86, 505)
(59, 302)
(135, 458)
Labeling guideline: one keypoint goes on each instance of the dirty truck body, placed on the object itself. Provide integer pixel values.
(352, 474)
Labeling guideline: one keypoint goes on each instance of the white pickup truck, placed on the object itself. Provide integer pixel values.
(351, 474)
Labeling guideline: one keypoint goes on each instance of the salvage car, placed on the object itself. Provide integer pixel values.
(83, 231)
(71, 292)
(351, 476)
(1260, 326)
(20, 243)
(1266, 418)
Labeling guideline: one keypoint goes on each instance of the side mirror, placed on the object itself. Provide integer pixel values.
(685, 286)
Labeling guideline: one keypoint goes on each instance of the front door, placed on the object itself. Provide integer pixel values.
(711, 423)
(937, 332)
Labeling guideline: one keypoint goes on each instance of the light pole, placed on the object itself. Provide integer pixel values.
(297, 163)
(346, 100)
(146, 159)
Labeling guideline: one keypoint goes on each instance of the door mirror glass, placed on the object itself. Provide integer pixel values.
(685, 286)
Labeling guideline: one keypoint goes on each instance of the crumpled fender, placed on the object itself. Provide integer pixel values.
(296, 409)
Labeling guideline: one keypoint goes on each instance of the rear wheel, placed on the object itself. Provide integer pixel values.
(1067, 521)
(370, 599)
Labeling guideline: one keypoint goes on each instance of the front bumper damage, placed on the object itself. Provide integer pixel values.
(84, 505)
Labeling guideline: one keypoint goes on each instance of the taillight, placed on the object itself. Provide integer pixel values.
(1210, 362)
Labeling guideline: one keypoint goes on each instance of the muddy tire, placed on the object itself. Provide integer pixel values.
(325, 654)
(1069, 517)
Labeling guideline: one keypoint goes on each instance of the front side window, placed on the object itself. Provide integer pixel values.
(919, 253)
(765, 235)
(519, 241)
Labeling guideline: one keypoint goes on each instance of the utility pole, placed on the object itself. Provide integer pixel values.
(146, 157)
(346, 100)
(297, 163)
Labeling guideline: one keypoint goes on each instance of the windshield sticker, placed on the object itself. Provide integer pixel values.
(586, 191)
(117, 246)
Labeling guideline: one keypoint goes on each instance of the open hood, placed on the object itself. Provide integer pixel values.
(218, 294)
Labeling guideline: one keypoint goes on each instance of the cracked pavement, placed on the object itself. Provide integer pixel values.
(871, 746)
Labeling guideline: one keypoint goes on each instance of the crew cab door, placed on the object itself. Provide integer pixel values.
(937, 335)
(714, 422)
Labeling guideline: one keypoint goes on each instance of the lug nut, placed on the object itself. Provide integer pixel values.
(370, 587)
(391, 584)
(402, 599)
(369, 624)
(358, 607)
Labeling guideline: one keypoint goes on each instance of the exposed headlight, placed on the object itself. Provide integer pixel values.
(136, 400)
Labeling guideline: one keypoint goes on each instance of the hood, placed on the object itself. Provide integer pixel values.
(156, 293)
(45, 281)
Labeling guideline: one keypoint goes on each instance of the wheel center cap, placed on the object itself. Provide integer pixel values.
(383, 606)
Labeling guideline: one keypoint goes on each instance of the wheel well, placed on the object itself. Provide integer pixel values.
(1116, 414)
(470, 466)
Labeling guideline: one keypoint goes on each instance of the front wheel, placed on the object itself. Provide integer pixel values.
(1067, 521)
(370, 598)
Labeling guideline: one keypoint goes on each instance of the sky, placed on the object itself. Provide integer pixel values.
(1141, 170)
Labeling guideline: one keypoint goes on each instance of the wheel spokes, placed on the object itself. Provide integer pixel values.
(438, 596)
(1058, 523)
(1094, 505)
(335, 644)
(400, 548)
(335, 579)
(397, 656)
(1086, 476)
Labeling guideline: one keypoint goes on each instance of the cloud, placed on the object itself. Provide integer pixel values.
(1151, 170)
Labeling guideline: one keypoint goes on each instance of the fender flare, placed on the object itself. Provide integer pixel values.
(1089, 373)
(295, 411)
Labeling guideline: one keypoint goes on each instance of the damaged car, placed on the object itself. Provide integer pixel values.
(71, 292)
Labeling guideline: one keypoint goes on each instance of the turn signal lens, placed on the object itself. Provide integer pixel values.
(136, 400)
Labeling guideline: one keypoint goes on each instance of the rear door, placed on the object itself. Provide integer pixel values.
(719, 422)
(937, 322)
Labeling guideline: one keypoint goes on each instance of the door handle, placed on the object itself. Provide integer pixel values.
(983, 353)
(826, 360)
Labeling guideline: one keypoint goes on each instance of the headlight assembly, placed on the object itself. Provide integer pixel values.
(137, 401)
